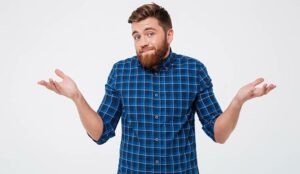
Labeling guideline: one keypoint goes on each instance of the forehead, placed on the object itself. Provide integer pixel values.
(146, 23)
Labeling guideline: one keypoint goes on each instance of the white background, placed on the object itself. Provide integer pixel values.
(238, 41)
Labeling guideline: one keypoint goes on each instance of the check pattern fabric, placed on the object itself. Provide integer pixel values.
(157, 109)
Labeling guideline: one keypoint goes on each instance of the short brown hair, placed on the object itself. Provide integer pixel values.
(152, 10)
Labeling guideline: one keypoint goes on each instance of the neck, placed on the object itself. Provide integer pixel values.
(166, 55)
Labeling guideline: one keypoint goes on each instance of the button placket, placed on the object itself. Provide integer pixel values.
(156, 122)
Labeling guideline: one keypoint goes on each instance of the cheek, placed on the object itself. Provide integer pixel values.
(157, 44)
(136, 47)
(153, 43)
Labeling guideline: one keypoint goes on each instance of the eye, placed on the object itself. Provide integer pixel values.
(136, 37)
(150, 34)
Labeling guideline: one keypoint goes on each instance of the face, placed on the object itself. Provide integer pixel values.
(152, 43)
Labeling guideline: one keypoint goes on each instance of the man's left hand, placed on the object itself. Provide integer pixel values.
(250, 90)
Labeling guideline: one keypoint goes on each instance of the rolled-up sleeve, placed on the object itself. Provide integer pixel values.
(110, 109)
(207, 106)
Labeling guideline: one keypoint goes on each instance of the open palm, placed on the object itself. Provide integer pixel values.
(250, 90)
(66, 87)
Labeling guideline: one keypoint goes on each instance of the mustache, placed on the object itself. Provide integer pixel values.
(146, 49)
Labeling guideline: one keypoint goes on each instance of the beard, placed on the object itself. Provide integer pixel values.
(150, 56)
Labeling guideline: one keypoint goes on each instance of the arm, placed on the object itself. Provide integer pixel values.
(227, 121)
(89, 118)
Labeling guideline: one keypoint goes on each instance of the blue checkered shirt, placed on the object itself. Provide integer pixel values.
(157, 108)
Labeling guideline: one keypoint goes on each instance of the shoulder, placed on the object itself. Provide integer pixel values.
(126, 63)
(190, 62)
(196, 68)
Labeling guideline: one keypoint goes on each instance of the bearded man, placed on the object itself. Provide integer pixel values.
(157, 93)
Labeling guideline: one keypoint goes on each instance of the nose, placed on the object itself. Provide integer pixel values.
(144, 42)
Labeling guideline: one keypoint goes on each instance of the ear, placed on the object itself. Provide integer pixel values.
(170, 33)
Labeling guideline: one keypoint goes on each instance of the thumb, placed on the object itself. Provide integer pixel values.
(60, 73)
(257, 81)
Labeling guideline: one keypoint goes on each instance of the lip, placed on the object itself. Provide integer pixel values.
(144, 51)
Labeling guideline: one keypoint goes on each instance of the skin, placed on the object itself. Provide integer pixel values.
(149, 41)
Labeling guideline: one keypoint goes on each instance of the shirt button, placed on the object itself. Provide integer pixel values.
(156, 161)
(156, 116)
(156, 139)
(155, 74)
(156, 94)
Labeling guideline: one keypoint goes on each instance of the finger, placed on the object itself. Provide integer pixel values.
(257, 81)
(52, 85)
(259, 91)
(264, 88)
(57, 86)
(44, 83)
(41, 82)
(270, 87)
(60, 74)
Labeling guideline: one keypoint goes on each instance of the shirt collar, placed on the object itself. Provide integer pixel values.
(166, 63)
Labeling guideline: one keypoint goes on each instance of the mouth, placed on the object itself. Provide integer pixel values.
(144, 51)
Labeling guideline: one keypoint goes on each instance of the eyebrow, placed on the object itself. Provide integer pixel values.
(148, 28)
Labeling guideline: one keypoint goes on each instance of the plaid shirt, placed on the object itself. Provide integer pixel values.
(157, 110)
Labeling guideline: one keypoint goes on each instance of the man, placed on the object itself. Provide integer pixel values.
(156, 93)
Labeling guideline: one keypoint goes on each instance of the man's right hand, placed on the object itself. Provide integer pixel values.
(90, 119)
(66, 87)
